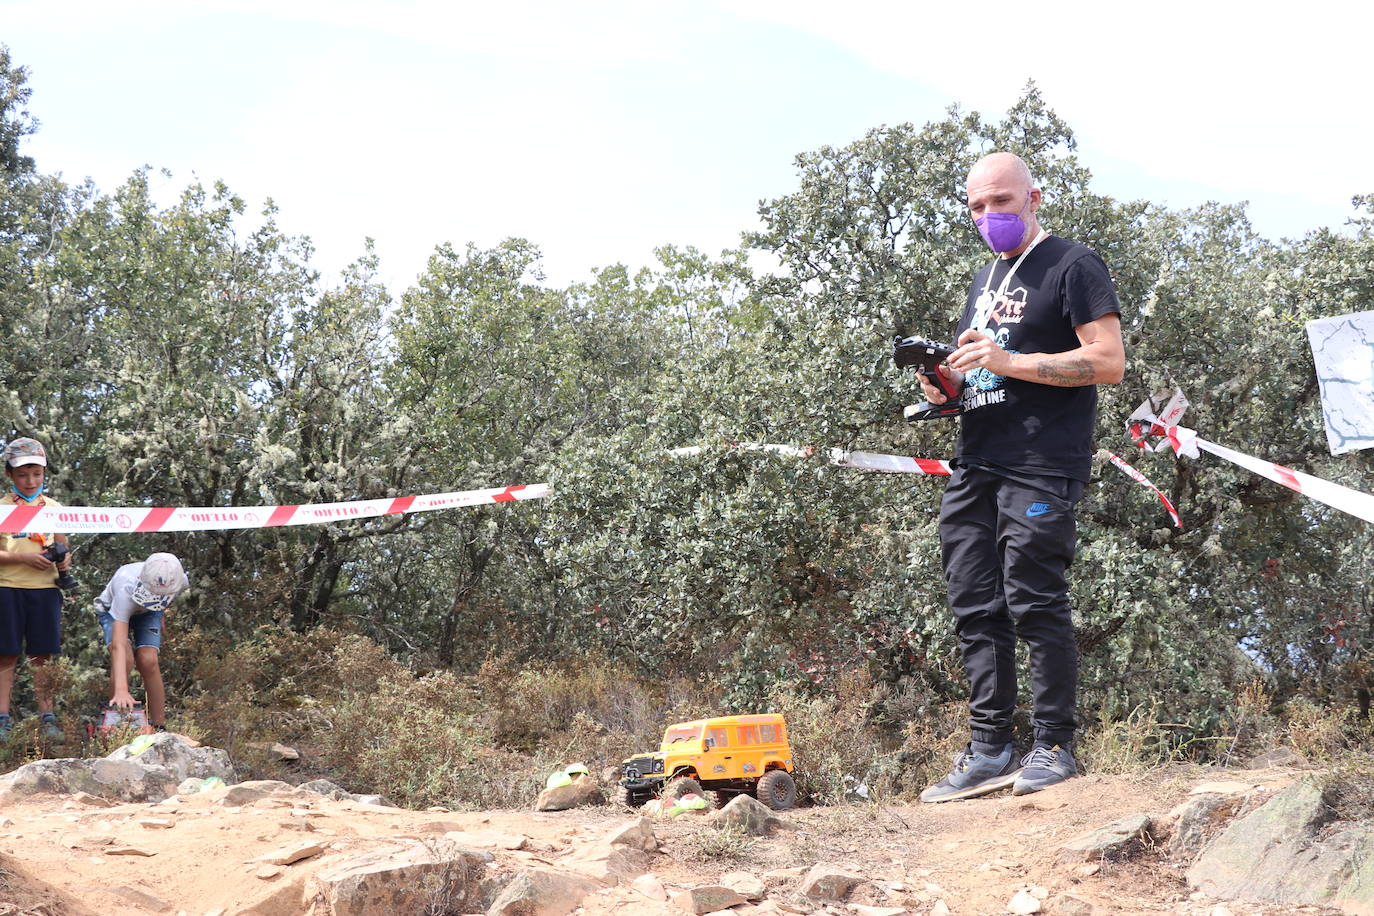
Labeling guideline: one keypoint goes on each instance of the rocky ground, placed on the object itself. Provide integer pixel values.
(269, 848)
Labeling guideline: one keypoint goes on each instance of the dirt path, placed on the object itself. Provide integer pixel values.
(66, 857)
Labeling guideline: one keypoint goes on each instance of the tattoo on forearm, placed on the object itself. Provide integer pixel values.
(1066, 372)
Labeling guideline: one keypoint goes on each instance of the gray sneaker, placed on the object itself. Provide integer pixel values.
(1044, 767)
(975, 774)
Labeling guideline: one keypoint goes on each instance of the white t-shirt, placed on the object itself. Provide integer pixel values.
(126, 596)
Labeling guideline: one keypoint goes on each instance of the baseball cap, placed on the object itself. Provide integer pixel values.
(25, 451)
(162, 574)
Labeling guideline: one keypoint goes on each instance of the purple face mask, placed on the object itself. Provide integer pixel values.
(1002, 231)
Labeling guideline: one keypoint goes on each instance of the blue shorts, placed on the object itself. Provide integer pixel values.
(144, 629)
(30, 621)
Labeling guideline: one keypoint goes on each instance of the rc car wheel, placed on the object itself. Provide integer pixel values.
(680, 786)
(777, 790)
(624, 796)
(721, 797)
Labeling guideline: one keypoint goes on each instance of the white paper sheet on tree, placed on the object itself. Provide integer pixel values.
(1343, 350)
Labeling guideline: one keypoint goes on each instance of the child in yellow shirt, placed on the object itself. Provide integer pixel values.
(30, 601)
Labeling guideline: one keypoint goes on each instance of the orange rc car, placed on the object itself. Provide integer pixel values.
(726, 756)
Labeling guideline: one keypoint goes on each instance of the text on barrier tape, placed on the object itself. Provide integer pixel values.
(128, 520)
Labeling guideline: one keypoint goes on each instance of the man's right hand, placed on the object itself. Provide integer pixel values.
(122, 699)
(932, 391)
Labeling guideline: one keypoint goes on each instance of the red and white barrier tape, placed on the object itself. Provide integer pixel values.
(1187, 442)
(1144, 482)
(99, 520)
(129, 520)
(866, 461)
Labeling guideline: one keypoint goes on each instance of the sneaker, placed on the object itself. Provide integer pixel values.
(975, 774)
(6, 723)
(49, 729)
(1043, 767)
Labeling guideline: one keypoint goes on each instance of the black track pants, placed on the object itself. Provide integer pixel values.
(1007, 544)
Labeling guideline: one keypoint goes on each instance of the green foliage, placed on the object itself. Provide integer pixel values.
(187, 354)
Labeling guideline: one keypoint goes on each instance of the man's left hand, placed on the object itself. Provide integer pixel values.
(977, 350)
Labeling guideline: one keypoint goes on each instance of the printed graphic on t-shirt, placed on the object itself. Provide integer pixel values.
(983, 386)
(1010, 307)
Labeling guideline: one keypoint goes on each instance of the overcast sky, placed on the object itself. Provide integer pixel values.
(602, 130)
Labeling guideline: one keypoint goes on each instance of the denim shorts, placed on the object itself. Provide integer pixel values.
(145, 629)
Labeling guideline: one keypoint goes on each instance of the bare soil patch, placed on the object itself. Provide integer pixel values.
(62, 857)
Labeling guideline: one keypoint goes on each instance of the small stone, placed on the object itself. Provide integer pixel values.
(1023, 903)
(294, 853)
(283, 752)
(74, 841)
(128, 851)
(1223, 788)
(1278, 757)
(1071, 906)
(157, 823)
(267, 872)
(300, 824)
(91, 801)
(1087, 871)
(440, 827)
(940, 909)
(1219, 910)
(862, 910)
(829, 883)
(650, 886)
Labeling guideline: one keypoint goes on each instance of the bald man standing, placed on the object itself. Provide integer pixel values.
(1040, 331)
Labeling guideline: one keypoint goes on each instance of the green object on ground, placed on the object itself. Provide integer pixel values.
(211, 782)
(557, 779)
(140, 744)
(575, 769)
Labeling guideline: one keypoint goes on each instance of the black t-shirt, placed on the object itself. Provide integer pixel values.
(1028, 427)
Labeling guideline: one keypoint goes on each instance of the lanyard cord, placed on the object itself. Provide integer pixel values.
(985, 301)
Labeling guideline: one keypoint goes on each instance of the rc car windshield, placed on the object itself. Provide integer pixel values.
(678, 735)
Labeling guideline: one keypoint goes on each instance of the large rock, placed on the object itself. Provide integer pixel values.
(149, 774)
(611, 863)
(709, 898)
(122, 780)
(1114, 841)
(326, 788)
(581, 791)
(620, 857)
(748, 814)
(542, 892)
(181, 759)
(747, 884)
(638, 833)
(1192, 823)
(1283, 853)
(245, 793)
(337, 792)
(436, 876)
